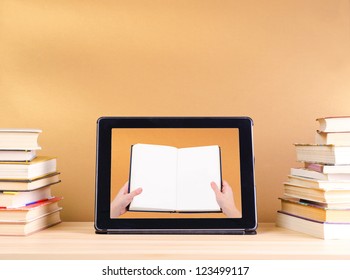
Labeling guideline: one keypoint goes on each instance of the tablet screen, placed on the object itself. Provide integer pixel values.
(174, 169)
(175, 175)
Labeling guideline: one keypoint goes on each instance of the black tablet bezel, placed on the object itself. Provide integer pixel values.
(105, 224)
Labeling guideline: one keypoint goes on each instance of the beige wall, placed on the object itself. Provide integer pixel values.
(65, 63)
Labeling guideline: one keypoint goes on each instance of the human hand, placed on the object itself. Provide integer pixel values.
(225, 199)
(122, 200)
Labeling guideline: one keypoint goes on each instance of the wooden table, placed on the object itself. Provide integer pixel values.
(77, 240)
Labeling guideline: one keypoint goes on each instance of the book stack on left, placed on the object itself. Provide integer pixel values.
(317, 196)
(26, 202)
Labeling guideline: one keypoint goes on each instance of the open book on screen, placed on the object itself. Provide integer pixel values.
(174, 179)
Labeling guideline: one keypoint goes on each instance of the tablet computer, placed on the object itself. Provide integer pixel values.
(175, 175)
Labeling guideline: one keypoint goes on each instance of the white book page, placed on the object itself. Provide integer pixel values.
(197, 168)
(153, 168)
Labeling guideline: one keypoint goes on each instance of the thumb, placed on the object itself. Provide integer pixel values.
(130, 196)
(215, 188)
(134, 193)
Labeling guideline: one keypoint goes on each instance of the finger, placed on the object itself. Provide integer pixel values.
(130, 196)
(134, 193)
(215, 188)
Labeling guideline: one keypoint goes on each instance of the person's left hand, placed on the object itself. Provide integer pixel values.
(122, 200)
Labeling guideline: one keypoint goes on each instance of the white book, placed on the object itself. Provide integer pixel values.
(333, 138)
(17, 155)
(325, 154)
(321, 184)
(30, 184)
(18, 199)
(334, 124)
(38, 167)
(26, 228)
(19, 139)
(174, 179)
(322, 230)
(307, 173)
(327, 169)
(28, 213)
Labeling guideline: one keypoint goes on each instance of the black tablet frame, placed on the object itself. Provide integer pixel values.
(247, 224)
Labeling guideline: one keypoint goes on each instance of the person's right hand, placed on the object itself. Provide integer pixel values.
(225, 200)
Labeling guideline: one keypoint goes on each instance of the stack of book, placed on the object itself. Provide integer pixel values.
(316, 197)
(26, 202)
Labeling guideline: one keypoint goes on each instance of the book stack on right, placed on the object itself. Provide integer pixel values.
(316, 197)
